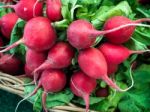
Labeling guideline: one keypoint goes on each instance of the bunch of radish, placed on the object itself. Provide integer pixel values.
(46, 57)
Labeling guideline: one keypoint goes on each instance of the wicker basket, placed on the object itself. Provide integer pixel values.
(7, 80)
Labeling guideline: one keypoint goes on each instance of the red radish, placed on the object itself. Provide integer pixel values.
(10, 64)
(82, 34)
(102, 92)
(116, 54)
(7, 22)
(93, 63)
(59, 56)
(38, 35)
(82, 86)
(33, 60)
(51, 81)
(111, 68)
(27, 9)
(53, 10)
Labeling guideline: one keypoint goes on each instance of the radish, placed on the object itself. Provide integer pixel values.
(102, 92)
(10, 64)
(7, 24)
(51, 81)
(116, 54)
(111, 68)
(59, 56)
(27, 9)
(38, 35)
(82, 86)
(93, 63)
(53, 10)
(33, 60)
(81, 33)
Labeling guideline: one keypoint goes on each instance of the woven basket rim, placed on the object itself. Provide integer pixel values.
(7, 80)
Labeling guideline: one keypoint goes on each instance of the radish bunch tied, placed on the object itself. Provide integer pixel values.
(81, 34)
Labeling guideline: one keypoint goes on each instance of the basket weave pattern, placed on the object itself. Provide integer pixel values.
(7, 83)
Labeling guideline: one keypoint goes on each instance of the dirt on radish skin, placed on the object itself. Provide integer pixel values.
(39, 38)
(93, 63)
(27, 9)
(10, 64)
(82, 34)
(53, 10)
(82, 86)
(116, 54)
(7, 24)
(33, 60)
(59, 56)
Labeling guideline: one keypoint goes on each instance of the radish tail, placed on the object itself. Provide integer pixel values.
(12, 46)
(31, 94)
(139, 51)
(86, 100)
(112, 84)
(98, 33)
(44, 95)
(142, 20)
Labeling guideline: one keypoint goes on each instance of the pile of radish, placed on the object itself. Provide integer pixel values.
(46, 57)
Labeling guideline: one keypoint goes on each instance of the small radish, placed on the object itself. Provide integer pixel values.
(33, 60)
(116, 54)
(102, 92)
(111, 68)
(53, 10)
(10, 64)
(27, 9)
(82, 86)
(59, 56)
(51, 81)
(7, 24)
(92, 62)
(38, 35)
(82, 34)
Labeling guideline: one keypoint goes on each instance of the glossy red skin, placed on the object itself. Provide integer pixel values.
(122, 35)
(114, 54)
(33, 60)
(24, 9)
(83, 82)
(78, 34)
(53, 80)
(93, 63)
(10, 65)
(61, 55)
(112, 68)
(53, 10)
(8, 21)
(102, 92)
(39, 34)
